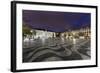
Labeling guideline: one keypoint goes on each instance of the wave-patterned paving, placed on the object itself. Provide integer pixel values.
(58, 52)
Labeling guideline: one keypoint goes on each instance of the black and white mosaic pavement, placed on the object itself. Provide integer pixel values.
(56, 49)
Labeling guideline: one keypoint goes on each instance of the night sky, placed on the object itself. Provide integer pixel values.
(56, 21)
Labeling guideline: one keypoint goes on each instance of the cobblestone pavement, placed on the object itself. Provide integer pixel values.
(56, 49)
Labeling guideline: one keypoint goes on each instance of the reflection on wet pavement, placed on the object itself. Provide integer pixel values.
(56, 49)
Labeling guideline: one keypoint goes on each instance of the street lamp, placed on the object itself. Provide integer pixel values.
(31, 33)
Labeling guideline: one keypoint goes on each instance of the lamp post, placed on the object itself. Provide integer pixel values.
(31, 33)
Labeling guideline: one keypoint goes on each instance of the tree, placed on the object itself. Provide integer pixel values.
(26, 31)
